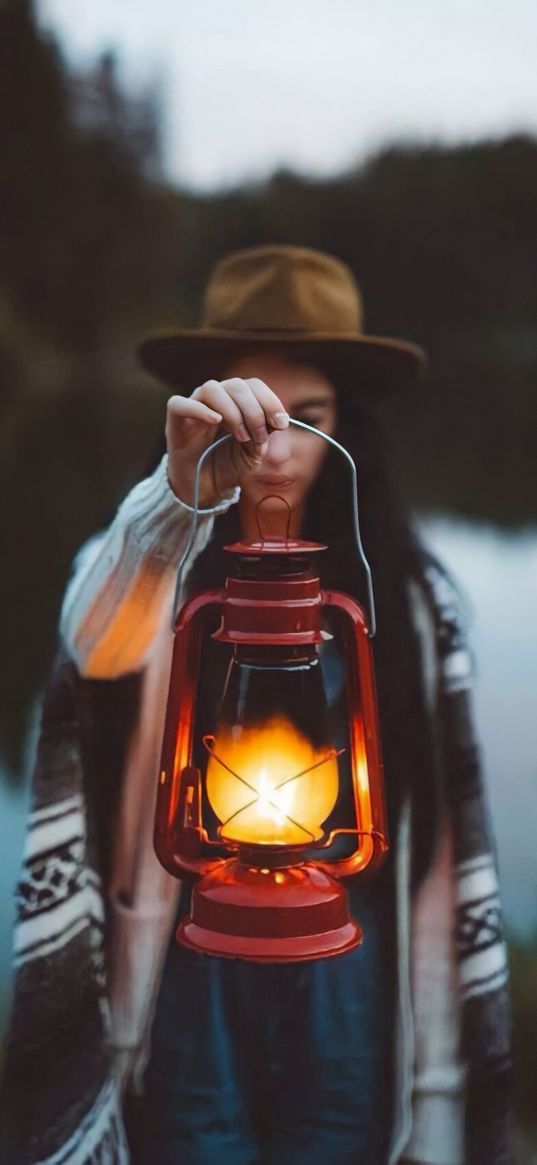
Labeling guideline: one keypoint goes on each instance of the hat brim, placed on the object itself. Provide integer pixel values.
(187, 358)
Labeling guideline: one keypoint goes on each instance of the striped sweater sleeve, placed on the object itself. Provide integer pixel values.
(123, 581)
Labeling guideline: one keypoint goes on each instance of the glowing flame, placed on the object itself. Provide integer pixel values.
(269, 785)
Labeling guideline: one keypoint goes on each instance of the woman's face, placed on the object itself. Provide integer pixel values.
(293, 457)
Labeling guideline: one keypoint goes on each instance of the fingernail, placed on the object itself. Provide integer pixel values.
(242, 433)
(281, 420)
(261, 435)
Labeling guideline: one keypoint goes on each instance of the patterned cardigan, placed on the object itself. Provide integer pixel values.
(60, 1096)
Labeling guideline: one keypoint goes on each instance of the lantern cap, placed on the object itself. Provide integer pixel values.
(275, 546)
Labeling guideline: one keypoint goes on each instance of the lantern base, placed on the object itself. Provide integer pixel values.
(269, 916)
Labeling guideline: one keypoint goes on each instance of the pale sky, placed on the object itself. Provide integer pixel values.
(314, 85)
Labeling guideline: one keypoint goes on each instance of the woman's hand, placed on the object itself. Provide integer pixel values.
(248, 409)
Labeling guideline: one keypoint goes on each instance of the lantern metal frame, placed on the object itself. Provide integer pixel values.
(300, 910)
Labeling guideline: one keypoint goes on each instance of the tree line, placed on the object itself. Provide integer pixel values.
(97, 247)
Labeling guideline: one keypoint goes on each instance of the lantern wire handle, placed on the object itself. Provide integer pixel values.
(355, 513)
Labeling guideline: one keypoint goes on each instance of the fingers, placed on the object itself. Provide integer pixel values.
(260, 407)
(214, 394)
(271, 404)
(249, 408)
(183, 420)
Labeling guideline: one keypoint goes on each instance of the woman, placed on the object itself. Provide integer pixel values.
(394, 1052)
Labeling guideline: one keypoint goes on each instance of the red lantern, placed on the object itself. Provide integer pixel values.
(272, 774)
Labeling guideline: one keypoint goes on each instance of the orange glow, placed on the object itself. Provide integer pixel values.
(274, 796)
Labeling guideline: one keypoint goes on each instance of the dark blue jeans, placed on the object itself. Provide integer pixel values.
(283, 1064)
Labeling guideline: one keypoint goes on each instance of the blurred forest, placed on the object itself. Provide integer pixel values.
(97, 247)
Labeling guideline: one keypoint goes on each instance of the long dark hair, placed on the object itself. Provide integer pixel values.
(393, 550)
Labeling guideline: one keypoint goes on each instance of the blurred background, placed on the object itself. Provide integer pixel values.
(140, 142)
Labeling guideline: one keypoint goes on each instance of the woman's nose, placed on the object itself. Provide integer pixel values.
(278, 447)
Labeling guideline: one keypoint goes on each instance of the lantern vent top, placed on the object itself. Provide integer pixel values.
(280, 546)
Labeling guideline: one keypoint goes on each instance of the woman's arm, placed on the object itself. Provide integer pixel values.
(123, 584)
(122, 588)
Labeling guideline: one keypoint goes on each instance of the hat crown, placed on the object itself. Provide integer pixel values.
(280, 295)
(283, 289)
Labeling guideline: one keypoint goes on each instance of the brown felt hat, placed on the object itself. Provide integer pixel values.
(294, 297)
